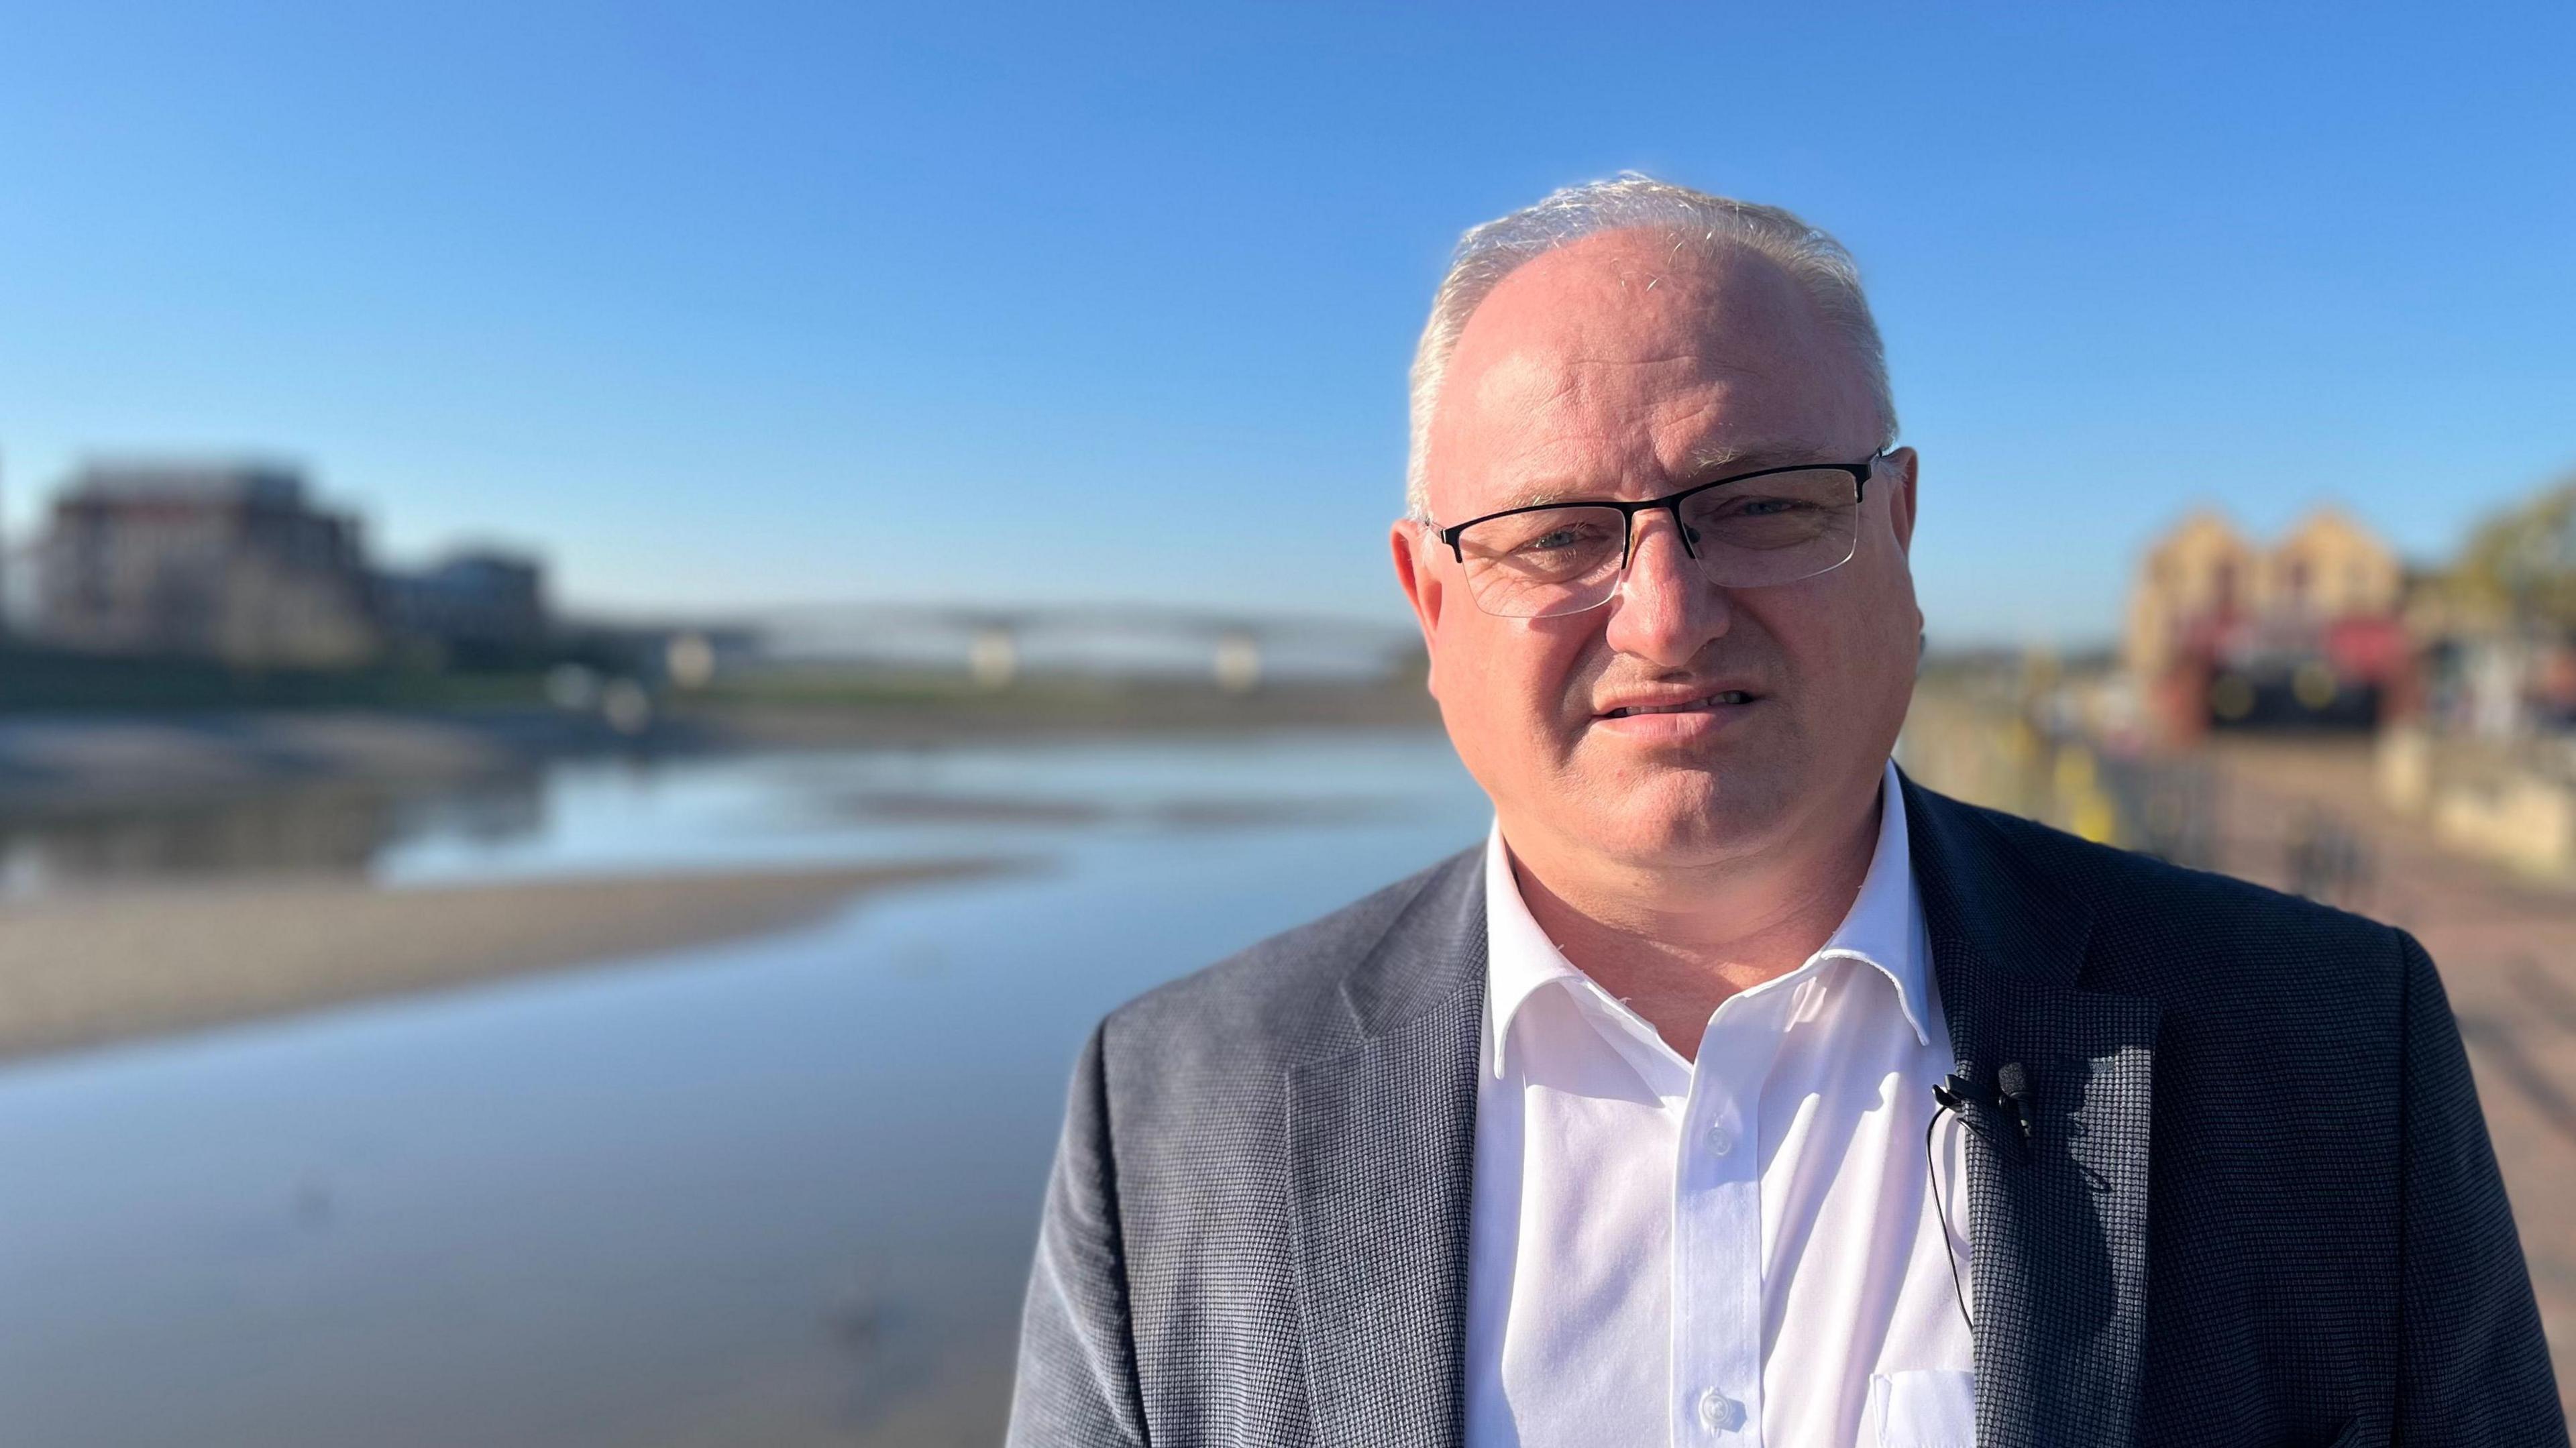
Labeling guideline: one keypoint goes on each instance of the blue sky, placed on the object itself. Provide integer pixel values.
(748, 304)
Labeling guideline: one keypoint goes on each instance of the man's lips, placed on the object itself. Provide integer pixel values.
(1697, 704)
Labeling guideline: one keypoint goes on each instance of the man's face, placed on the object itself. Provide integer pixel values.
(1628, 365)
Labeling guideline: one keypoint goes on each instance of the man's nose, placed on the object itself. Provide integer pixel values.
(1665, 609)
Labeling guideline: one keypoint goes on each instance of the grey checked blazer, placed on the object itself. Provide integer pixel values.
(2257, 1207)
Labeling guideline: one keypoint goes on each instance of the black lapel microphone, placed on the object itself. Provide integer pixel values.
(2012, 1086)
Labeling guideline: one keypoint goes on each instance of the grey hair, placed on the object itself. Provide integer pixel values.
(1629, 201)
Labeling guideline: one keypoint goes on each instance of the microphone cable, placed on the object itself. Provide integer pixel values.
(1947, 1102)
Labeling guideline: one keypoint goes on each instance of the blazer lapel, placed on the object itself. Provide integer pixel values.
(2057, 1210)
(1381, 1151)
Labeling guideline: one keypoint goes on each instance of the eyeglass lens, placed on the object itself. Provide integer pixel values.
(1777, 528)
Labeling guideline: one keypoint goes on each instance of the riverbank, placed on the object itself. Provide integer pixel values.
(67, 763)
(59, 763)
(89, 967)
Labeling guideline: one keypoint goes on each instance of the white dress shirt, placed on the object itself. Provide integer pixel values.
(1736, 1253)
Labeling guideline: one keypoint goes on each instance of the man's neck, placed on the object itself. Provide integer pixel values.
(1675, 944)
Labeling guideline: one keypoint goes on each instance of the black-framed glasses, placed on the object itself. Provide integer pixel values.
(1774, 525)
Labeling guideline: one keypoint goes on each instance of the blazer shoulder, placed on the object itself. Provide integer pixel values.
(2228, 934)
(1283, 993)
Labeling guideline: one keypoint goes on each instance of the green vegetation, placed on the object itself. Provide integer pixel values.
(2522, 564)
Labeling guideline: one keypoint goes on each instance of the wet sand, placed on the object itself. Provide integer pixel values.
(90, 967)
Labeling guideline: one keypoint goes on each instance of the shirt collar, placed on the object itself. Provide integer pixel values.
(1883, 929)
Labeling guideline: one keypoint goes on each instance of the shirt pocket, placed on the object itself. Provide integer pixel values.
(1933, 1408)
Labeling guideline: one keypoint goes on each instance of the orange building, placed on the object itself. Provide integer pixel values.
(2222, 631)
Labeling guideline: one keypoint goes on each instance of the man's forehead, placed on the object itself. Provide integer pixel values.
(1552, 468)
(1637, 293)
(1635, 345)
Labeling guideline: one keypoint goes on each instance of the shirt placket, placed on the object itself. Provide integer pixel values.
(1717, 1227)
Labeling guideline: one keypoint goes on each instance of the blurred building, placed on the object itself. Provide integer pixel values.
(2203, 569)
(228, 562)
(476, 605)
(2224, 631)
(2332, 567)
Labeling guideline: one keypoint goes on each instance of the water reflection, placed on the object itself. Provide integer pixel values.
(775, 1193)
(616, 812)
(332, 827)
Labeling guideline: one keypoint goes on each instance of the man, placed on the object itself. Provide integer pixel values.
(1739, 1090)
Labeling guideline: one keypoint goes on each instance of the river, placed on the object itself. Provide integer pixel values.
(779, 1192)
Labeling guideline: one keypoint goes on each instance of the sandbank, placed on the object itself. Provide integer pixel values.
(89, 967)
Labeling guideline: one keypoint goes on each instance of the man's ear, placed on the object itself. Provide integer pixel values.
(1899, 473)
(1422, 588)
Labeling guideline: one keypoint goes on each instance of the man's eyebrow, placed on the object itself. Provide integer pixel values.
(1537, 494)
(1711, 460)
(1716, 460)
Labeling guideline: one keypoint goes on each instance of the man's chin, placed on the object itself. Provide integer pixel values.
(1685, 818)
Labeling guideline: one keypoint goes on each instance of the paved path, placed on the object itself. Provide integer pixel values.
(2507, 951)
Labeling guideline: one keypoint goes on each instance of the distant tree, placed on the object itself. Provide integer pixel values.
(2523, 562)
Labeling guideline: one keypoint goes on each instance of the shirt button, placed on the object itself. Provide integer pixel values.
(1720, 1413)
(1720, 1140)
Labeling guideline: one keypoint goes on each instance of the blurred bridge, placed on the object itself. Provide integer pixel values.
(996, 644)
